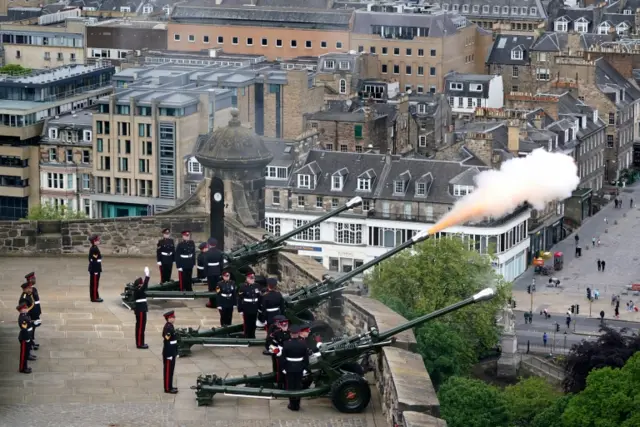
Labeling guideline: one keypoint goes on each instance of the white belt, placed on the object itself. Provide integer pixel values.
(173, 342)
(186, 256)
(213, 264)
(166, 253)
(37, 302)
(270, 310)
(227, 295)
(141, 300)
(250, 300)
(99, 260)
(200, 268)
(30, 329)
(295, 359)
(28, 341)
(37, 322)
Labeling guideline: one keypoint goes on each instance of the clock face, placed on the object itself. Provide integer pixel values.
(217, 197)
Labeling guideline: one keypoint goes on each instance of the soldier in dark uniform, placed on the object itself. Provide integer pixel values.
(28, 298)
(141, 308)
(214, 264)
(277, 336)
(95, 268)
(36, 312)
(185, 260)
(295, 362)
(201, 274)
(272, 302)
(24, 338)
(226, 298)
(249, 297)
(165, 255)
(169, 352)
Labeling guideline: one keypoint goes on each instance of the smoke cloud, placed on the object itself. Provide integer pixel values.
(538, 179)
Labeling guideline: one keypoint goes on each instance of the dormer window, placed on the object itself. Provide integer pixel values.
(475, 87)
(398, 187)
(364, 184)
(277, 172)
(476, 8)
(422, 109)
(561, 25)
(147, 9)
(627, 11)
(336, 183)
(581, 26)
(166, 9)
(496, 9)
(329, 64)
(603, 29)
(455, 86)
(455, 7)
(622, 28)
(595, 116)
(125, 9)
(485, 9)
(462, 190)
(53, 133)
(421, 189)
(533, 11)
(514, 10)
(344, 65)
(517, 54)
(304, 181)
(465, 8)
(193, 166)
(505, 10)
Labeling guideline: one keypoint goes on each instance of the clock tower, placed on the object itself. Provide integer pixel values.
(235, 158)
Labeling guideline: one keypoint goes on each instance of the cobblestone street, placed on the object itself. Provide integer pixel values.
(90, 374)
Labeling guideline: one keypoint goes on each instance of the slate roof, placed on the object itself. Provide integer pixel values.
(502, 13)
(613, 14)
(551, 42)
(503, 45)
(467, 80)
(438, 25)
(301, 4)
(609, 79)
(262, 17)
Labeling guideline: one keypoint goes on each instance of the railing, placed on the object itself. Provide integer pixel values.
(536, 365)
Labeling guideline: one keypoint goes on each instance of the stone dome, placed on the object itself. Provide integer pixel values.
(234, 147)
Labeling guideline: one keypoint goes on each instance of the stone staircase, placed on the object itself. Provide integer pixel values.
(540, 367)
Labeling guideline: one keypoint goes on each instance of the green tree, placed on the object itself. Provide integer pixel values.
(528, 398)
(610, 399)
(552, 416)
(472, 403)
(435, 274)
(14, 70)
(50, 212)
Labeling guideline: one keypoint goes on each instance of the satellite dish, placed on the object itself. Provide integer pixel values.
(349, 102)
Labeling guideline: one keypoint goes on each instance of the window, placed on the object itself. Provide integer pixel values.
(328, 147)
(455, 86)
(310, 234)
(334, 202)
(68, 156)
(420, 89)
(344, 65)
(357, 131)
(205, 39)
(516, 54)
(304, 181)
(275, 197)
(55, 180)
(343, 86)
(364, 184)
(366, 205)
(176, 37)
(603, 29)
(308, 44)
(475, 87)
(396, 69)
(278, 43)
(433, 52)
(234, 40)
(302, 201)
(421, 189)
(465, 8)
(86, 156)
(408, 70)
(360, 48)
(610, 142)
(561, 25)
(191, 38)
(53, 155)
(86, 181)
(421, 71)
(432, 89)
(358, 148)
(462, 190)
(336, 183)
(581, 26)
(193, 166)
(398, 187)
(319, 202)
(385, 51)
(264, 42)
(422, 140)
(542, 74)
(87, 135)
(432, 71)
(125, 9)
(338, 45)
(514, 10)
(396, 51)
(349, 234)
(294, 43)
(53, 133)
(505, 10)
(384, 69)
(455, 7)
(496, 9)
(514, 72)
(249, 41)
(221, 40)
(533, 11)
(323, 44)
(485, 9)
(272, 225)
(123, 164)
(612, 118)
(469, 102)
(408, 52)
(476, 8)
(143, 166)
(277, 172)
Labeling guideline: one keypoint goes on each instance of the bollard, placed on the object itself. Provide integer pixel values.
(615, 222)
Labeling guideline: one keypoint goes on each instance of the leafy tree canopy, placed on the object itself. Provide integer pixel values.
(50, 212)
(435, 274)
(612, 349)
(528, 398)
(552, 415)
(14, 70)
(472, 403)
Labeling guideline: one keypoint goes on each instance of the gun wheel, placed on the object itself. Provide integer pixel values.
(350, 394)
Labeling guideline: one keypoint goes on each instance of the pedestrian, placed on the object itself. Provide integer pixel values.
(630, 203)
(27, 298)
(598, 244)
(226, 298)
(577, 239)
(568, 321)
(249, 301)
(95, 268)
(603, 264)
(593, 242)
(596, 294)
(24, 337)
(272, 301)
(36, 312)
(214, 264)
(599, 265)
(169, 352)
(613, 300)
(544, 339)
(141, 308)
(295, 357)
(617, 312)
(602, 316)
(165, 255)
(185, 260)
(546, 313)
(605, 220)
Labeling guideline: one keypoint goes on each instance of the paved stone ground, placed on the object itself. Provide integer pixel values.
(618, 248)
(89, 373)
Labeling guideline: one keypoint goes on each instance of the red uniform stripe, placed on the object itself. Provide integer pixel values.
(140, 329)
(161, 278)
(166, 381)
(23, 354)
(180, 279)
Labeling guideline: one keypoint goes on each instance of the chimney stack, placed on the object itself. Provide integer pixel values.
(513, 144)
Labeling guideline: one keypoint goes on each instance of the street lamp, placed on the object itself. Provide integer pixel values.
(533, 288)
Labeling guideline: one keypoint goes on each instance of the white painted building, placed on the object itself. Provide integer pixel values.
(466, 92)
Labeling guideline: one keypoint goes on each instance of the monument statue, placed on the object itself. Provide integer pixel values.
(508, 320)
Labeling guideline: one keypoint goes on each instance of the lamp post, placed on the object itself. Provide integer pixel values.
(590, 302)
(564, 348)
(533, 289)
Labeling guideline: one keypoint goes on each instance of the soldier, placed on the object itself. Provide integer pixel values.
(214, 263)
(27, 297)
(141, 308)
(200, 262)
(295, 362)
(36, 312)
(272, 302)
(95, 268)
(249, 297)
(169, 352)
(24, 337)
(185, 260)
(278, 335)
(164, 255)
(226, 298)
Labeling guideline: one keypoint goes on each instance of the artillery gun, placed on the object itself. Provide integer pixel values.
(336, 369)
(238, 261)
(298, 308)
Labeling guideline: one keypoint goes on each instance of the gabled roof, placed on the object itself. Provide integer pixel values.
(609, 79)
(311, 168)
(341, 172)
(404, 176)
(551, 42)
(501, 50)
(466, 177)
(368, 174)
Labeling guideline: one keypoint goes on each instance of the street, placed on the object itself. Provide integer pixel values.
(617, 247)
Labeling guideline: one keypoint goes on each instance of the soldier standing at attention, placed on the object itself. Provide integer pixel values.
(185, 260)
(249, 298)
(277, 336)
(164, 255)
(226, 298)
(95, 268)
(28, 297)
(295, 362)
(36, 312)
(141, 308)
(169, 352)
(273, 302)
(24, 337)
(200, 262)
(214, 263)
